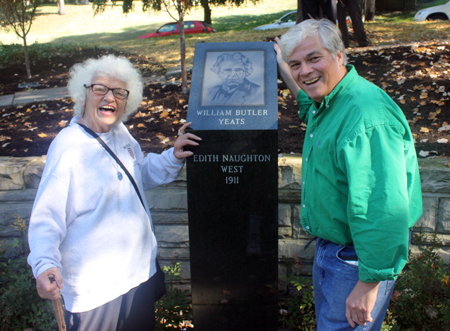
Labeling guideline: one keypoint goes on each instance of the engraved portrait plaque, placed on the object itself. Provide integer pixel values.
(233, 187)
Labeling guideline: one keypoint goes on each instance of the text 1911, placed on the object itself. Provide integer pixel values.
(232, 180)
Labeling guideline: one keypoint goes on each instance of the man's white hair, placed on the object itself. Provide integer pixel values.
(329, 35)
(106, 66)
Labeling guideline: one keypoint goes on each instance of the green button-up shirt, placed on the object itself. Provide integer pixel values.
(360, 175)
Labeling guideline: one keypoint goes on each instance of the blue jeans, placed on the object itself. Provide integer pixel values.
(335, 274)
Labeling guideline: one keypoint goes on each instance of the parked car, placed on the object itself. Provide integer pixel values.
(286, 21)
(433, 13)
(190, 27)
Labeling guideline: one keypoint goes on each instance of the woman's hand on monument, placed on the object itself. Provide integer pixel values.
(185, 139)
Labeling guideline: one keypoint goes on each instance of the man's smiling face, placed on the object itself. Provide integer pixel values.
(315, 69)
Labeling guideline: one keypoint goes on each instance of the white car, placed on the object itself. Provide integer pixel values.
(286, 21)
(434, 13)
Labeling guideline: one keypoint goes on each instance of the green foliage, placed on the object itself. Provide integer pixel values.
(422, 296)
(20, 305)
(298, 311)
(173, 310)
(14, 53)
(428, 4)
(19, 14)
(389, 323)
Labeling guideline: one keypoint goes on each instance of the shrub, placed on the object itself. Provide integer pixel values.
(422, 296)
(173, 310)
(298, 311)
(14, 53)
(20, 305)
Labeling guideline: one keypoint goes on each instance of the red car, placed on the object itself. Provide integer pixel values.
(190, 27)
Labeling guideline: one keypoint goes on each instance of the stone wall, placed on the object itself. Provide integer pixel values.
(19, 180)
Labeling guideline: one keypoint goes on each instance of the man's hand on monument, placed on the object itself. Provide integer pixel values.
(360, 303)
(285, 70)
(184, 139)
(47, 289)
(282, 65)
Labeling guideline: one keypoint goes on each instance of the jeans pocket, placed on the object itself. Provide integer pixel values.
(347, 255)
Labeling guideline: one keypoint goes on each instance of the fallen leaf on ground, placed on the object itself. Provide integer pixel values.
(424, 153)
(160, 136)
(164, 114)
(42, 135)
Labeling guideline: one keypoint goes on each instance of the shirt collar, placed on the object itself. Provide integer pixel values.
(341, 86)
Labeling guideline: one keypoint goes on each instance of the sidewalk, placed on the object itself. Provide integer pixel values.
(33, 96)
(62, 92)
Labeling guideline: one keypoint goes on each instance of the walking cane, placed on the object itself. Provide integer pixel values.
(58, 308)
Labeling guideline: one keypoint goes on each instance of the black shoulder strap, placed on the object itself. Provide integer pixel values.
(106, 147)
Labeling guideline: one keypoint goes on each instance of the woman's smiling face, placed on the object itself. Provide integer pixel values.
(103, 111)
(315, 69)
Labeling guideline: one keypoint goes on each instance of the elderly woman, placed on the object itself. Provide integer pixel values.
(89, 228)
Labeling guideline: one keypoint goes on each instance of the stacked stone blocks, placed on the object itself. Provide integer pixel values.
(19, 180)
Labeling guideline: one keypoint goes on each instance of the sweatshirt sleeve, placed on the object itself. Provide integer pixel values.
(159, 169)
(373, 160)
(47, 225)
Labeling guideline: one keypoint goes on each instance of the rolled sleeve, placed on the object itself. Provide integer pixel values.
(373, 160)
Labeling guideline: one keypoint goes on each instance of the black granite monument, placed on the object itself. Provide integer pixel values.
(233, 187)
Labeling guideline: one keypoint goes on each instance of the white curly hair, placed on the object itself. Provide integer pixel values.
(108, 65)
(328, 33)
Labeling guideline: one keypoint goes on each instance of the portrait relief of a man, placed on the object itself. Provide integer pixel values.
(230, 78)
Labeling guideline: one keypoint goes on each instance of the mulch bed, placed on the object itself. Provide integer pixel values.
(415, 76)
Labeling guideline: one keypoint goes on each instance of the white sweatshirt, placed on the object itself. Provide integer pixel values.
(91, 225)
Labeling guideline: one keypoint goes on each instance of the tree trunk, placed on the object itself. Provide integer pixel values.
(299, 11)
(61, 7)
(184, 88)
(370, 10)
(207, 11)
(27, 60)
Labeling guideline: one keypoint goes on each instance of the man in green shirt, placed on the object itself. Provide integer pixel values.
(361, 191)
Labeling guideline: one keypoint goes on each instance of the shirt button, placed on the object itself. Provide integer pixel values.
(306, 159)
(307, 227)
(303, 183)
(311, 135)
(304, 206)
(314, 111)
(328, 106)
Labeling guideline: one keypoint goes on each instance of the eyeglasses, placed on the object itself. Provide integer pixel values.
(100, 89)
(237, 71)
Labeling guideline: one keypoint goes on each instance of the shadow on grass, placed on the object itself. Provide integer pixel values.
(228, 23)
(395, 17)
(97, 38)
(240, 22)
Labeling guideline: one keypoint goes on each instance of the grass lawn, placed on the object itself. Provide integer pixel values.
(116, 30)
